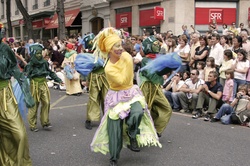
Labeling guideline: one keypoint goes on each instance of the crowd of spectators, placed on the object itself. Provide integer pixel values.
(214, 66)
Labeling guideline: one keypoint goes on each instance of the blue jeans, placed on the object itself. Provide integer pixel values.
(237, 82)
(225, 109)
(172, 99)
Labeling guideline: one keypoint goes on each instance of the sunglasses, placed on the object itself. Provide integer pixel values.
(132, 39)
(177, 75)
(192, 73)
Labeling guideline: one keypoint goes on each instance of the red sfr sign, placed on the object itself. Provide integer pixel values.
(158, 13)
(124, 19)
(216, 14)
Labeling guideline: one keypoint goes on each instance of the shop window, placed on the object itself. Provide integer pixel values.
(35, 6)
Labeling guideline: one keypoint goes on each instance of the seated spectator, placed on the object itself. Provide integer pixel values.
(239, 105)
(175, 84)
(189, 92)
(185, 75)
(209, 96)
(210, 66)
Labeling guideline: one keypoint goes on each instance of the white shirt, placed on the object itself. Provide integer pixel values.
(241, 65)
(217, 52)
(192, 85)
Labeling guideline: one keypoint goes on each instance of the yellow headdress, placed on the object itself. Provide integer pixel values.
(104, 41)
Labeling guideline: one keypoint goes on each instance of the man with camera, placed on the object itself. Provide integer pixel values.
(236, 112)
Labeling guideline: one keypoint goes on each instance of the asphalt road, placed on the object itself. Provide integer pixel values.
(186, 142)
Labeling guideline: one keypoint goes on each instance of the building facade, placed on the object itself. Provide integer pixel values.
(133, 15)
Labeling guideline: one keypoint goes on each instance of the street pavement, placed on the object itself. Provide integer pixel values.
(185, 142)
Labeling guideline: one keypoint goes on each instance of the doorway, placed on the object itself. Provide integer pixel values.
(97, 25)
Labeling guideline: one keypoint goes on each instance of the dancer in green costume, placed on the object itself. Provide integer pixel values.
(98, 87)
(127, 120)
(14, 148)
(158, 105)
(37, 70)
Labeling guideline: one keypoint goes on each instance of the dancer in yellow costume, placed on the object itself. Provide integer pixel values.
(37, 70)
(14, 148)
(127, 120)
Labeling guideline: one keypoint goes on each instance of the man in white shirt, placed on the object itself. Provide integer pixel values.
(245, 41)
(216, 51)
(188, 94)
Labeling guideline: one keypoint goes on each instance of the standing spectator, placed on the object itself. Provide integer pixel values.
(188, 94)
(227, 96)
(225, 30)
(171, 45)
(224, 42)
(241, 27)
(209, 97)
(245, 41)
(172, 96)
(200, 68)
(237, 44)
(185, 32)
(233, 29)
(195, 44)
(201, 52)
(183, 50)
(227, 63)
(210, 66)
(240, 67)
(216, 51)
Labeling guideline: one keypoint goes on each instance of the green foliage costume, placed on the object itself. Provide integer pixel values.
(37, 70)
(158, 105)
(14, 149)
(98, 88)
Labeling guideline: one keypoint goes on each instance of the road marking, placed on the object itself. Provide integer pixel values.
(57, 101)
(68, 106)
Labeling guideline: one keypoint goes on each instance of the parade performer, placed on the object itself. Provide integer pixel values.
(37, 70)
(14, 148)
(151, 81)
(127, 120)
(72, 77)
(97, 83)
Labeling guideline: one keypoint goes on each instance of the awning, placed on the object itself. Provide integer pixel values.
(69, 19)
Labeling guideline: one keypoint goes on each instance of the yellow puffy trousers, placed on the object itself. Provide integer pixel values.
(158, 105)
(98, 88)
(14, 148)
(41, 94)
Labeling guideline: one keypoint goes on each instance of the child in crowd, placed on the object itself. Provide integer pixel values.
(227, 63)
(61, 75)
(200, 68)
(210, 66)
(228, 88)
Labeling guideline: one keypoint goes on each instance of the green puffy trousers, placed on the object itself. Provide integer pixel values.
(41, 94)
(14, 148)
(98, 88)
(158, 105)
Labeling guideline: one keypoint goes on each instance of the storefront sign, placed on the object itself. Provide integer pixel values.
(204, 16)
(123, 20)
(159, 13)
(147, 18)
(37, 24)
(249, 14)
(216, 14)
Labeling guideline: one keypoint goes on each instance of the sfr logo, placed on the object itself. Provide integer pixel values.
(216, 14)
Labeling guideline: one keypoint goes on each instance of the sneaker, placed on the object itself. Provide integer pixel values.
(194, 112)
(196, 116)
(207, 118)
(47, 126)
(88, 125)
(214, 120)
(158, 134)
(176, 109)
(34, 129)
(133, 145)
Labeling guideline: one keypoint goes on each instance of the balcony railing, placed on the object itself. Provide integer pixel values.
(34, 7)
(46, 3)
